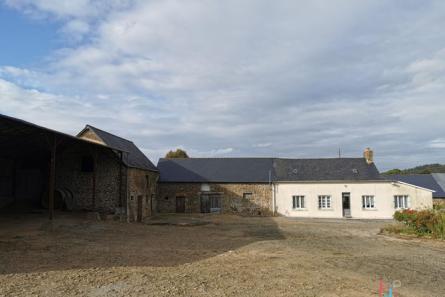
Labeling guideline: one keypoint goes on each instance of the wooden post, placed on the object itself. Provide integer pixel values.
(94, 155)
(52, 178)
(121, 160)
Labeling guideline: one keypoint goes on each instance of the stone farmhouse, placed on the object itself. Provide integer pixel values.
(101, 172)
(318, 188)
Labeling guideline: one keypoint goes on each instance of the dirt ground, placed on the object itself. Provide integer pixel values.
(212, 255)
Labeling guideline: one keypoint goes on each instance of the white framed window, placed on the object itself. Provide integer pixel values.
(247, 196)
(324, 201)
(401, 202)
(368, 202)
(298, 202)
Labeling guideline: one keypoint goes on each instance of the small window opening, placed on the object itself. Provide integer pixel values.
(247, 196)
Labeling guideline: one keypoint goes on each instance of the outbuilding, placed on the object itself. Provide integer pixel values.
(41, 168)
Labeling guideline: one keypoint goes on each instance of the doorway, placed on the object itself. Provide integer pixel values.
(210, 203)
(180, 204)
(346, 200)
(139, 210)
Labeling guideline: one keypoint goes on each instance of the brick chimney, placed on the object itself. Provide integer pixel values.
(368, 154)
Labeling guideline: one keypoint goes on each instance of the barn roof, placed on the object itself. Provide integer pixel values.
(263, 170)
(427, 181)
(22, 134)
(133, 156)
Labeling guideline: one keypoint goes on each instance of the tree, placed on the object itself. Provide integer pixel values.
(176, 154)
(393, 171)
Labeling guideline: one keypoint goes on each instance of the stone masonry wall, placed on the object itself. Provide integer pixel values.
(70, 176)
(232, 197)
(90, 135)
(438, 201)
(141, 183)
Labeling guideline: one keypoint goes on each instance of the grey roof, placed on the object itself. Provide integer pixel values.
(325, 169)
(215, 170)
(421, 180)
(263, 170)
(133, 157)
(440, 179)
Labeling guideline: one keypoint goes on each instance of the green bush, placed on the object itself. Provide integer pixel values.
(423, 222)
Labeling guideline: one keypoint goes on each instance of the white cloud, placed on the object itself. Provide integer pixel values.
(288, 78)
(438, 143)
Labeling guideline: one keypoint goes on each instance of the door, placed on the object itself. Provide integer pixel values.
(139, 210)
(180, 204)
(346, 199)
(205, 203)
(215, 203)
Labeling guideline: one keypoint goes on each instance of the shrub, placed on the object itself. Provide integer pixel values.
(423, 222)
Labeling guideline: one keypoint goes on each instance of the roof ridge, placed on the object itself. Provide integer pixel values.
(265, 158)
(114, 135)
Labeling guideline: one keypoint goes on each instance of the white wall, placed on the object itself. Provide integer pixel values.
(383, 193)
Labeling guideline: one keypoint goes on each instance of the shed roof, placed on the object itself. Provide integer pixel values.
(263, 170)
(133, 157)
(15, 131)
(421, 180)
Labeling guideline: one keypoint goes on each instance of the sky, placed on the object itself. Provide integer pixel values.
(234, 78)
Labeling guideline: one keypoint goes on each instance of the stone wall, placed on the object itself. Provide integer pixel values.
(104, 181)
(439, 201)
(142, 184)
(91, 136)
(260, 202)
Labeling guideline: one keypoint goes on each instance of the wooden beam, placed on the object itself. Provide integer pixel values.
(121, 161)
(52, 177)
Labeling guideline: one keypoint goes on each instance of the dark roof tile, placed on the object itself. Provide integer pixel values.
(263, 170)
(421, 180)
(133, 157)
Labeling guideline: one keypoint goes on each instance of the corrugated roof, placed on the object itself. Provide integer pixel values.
(133, 157)
(263, 170)
(420, 180)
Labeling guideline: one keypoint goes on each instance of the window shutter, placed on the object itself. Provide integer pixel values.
(293, 202)
(395, 201)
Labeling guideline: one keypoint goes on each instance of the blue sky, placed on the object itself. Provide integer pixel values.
(233, 78)
(25, 42)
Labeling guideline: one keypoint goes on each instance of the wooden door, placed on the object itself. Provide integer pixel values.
(346, 201)
(180, 204)
(205, 203)
(139, 210)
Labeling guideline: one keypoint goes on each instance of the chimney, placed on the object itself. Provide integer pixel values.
(368, 154)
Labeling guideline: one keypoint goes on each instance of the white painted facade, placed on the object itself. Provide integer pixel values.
(383, 195)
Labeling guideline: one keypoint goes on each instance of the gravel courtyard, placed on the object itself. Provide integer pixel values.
(212, 255)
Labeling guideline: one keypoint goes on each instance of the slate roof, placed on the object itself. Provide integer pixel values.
(421, 180)
(325, 169)
(133, 157)
(264, 170)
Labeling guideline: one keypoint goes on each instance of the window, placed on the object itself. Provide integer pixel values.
(401, 202)
(87, 164)
(368, 201)
(298, 202)
(324, 201)
(247, 196)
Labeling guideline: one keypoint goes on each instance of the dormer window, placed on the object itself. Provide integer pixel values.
(355, 171)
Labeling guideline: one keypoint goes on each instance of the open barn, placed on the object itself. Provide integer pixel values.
(43, 169)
